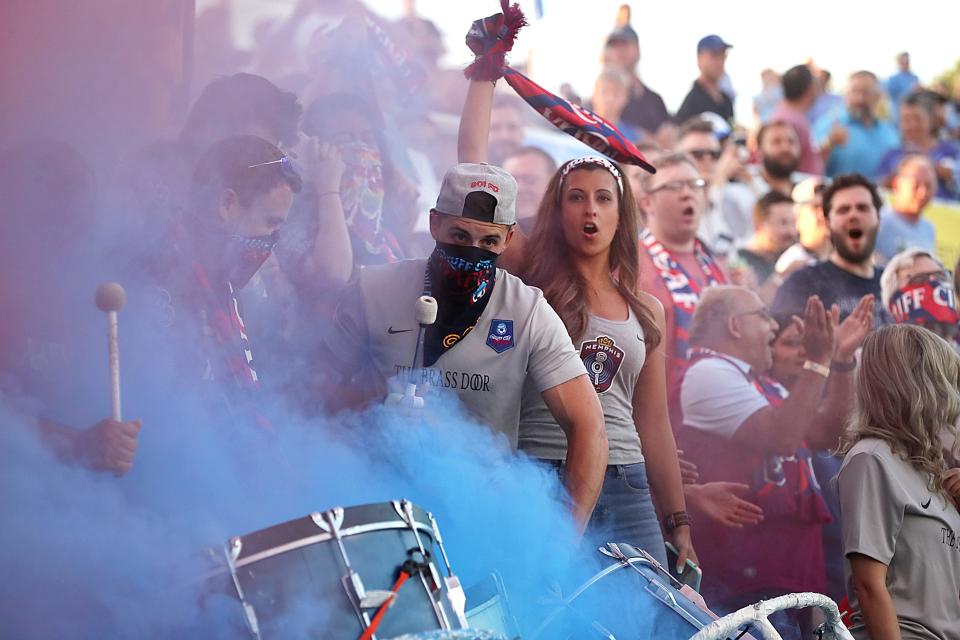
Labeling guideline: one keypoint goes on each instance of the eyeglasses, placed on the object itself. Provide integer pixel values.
(678, 185)
(762, 312)
(700, 154)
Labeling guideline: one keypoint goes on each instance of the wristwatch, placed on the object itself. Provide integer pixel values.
(816, 367)
(674, 520)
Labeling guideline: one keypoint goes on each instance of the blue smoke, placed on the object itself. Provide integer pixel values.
(89, 555)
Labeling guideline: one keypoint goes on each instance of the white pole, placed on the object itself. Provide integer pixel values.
(114, 349)
(110, 298)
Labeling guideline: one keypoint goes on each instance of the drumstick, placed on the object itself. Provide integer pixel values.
(110, 298)
(426, 312)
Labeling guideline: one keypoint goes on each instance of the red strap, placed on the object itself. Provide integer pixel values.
(372, 629)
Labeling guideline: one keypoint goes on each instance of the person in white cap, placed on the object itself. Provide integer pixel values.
(491, 334)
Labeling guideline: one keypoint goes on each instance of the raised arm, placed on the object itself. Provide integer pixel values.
(781, 430)
(576, 408)
(838, 399)
(475, 122)
(490, 39)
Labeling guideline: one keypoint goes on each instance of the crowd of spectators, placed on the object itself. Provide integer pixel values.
(774, 249)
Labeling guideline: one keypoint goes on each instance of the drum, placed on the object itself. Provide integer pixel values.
(337, 573)
(487, 607)
(633, 597)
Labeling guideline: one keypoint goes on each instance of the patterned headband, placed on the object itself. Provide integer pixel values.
(596, 161)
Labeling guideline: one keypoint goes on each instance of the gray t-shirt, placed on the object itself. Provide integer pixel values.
(613, 354)
(888, 514)
(518, 337)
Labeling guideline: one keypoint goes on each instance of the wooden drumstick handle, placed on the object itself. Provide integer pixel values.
(110, 298)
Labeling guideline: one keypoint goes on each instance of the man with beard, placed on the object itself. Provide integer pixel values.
(869, 138)
(851, 205)
(779, 158)
(491, 330)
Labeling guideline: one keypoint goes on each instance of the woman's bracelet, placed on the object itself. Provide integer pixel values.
(674, 520)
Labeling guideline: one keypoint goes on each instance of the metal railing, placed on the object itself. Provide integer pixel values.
(756, 616)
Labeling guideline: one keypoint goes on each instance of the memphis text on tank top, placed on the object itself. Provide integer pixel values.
(440, 379)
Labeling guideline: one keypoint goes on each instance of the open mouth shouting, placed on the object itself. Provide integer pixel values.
(590, 229)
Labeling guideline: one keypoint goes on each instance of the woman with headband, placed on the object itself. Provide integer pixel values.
(583, 254)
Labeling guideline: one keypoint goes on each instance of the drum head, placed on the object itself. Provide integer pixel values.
(292, 577)
(634, 602)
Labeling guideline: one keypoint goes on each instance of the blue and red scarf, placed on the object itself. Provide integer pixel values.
(491, 38)
(684, 291)
(781, 485)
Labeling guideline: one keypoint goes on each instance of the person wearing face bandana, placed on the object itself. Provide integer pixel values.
(916, 289)
(492, 333)
(241, 192)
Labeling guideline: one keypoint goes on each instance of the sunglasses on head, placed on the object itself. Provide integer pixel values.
(286, 166)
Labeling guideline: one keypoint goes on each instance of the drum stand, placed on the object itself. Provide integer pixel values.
(404, 509)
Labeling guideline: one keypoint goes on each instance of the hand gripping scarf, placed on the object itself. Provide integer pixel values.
(492, 38)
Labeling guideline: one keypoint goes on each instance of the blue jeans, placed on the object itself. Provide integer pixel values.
(625, 513)
(624, 510)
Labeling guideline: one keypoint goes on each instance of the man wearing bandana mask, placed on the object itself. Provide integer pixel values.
(491, 331)
(241, 193)
(916, 289)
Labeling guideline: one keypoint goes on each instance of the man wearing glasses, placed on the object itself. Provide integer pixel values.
(675, 265)
(728, 219)
(741, 426)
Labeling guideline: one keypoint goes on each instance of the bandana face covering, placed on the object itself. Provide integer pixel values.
(925, 303)
(361, 195)
(462, 280)
(243, 256)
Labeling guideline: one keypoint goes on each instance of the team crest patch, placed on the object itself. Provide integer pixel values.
(602, 358)
(500, 337)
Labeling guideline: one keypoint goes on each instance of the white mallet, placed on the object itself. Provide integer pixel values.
(110, 298)
(425, 313)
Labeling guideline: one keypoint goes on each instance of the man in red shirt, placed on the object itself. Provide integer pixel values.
(675, 266)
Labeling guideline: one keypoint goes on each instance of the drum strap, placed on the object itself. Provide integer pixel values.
(409, 569)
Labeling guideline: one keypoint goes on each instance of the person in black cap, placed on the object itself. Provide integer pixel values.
(645, 109)
(706, 94)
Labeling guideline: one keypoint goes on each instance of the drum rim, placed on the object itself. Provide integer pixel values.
(361, 529)
(567, 601)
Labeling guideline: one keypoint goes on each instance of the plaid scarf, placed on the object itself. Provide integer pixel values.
(684, 291)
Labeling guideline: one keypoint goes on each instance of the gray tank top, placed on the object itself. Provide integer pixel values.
(613, 354)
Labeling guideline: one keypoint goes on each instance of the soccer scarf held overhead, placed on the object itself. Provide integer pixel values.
(684, 291)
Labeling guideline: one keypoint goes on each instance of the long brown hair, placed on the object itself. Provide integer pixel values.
(908, 395)
(548, 266)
